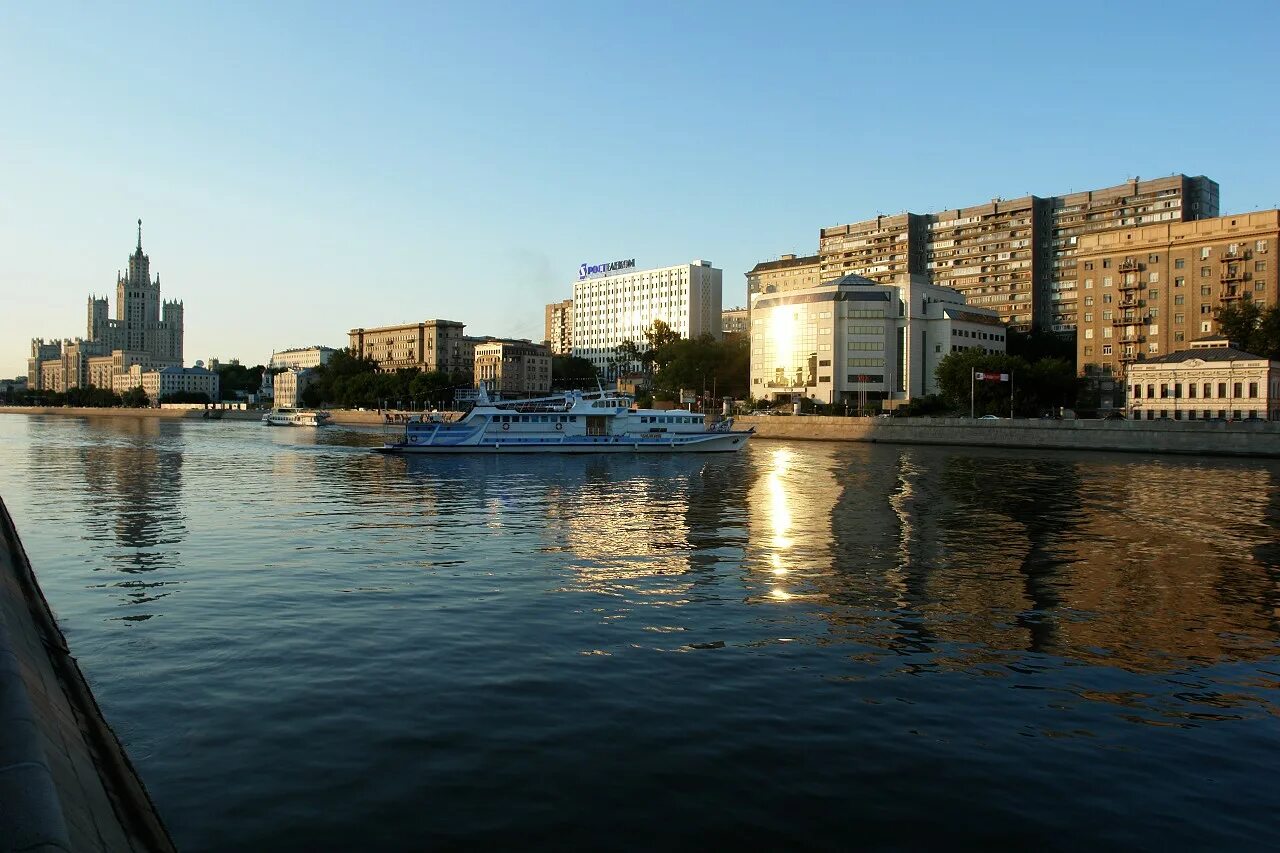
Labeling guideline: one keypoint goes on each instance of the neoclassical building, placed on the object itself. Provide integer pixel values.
(146, 331)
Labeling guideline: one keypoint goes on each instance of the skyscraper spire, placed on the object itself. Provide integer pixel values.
(139, 235)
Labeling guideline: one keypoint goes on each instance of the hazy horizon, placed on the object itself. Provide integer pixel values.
(301, 170)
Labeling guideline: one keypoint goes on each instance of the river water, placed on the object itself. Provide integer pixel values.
(305, 645)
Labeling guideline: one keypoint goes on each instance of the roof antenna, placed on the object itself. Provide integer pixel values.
(139, 235)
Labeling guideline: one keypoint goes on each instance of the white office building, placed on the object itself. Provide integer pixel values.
(614, 303)
(854, 340)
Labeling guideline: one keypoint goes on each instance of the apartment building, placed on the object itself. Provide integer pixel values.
(1014, 256)
(559, 327)
(788, 272)
(301, 358)
(735, 321)
(432, 345)
(1150, 291)
(513, 368)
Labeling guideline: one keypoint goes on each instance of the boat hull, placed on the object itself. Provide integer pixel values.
(729, 442)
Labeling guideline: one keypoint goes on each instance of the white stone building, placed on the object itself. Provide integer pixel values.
(288, 385)
(301, 358)
(1212, 379)
(854, 340)
(620, 305)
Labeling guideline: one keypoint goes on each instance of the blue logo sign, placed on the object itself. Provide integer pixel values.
(588, 270)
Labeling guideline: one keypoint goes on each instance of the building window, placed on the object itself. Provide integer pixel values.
(1179, 299)
(1088, 334)
(1260, 284)
(1259, 266)
(1106, 263)
(1153, 259)
(1088, 284)
(1106, 281)
(1106, 349)
(1253, 390)
(1179, 337)
(1153, 277)
(1088, 300)
(1179, 263)
(1204, 291)
(1153, 294)
(1088, 350)
(1088, 316)
(1260, 246)
(1191, 390)
(1088, 265)
(1153, 348)
(1204, 272)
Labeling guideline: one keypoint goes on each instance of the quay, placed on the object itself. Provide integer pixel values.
(1196, 438)
(66, 783)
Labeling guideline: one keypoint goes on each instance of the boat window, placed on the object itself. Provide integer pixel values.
(573, 418)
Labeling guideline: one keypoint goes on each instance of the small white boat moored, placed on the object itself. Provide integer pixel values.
(575, 422)
(285, 416)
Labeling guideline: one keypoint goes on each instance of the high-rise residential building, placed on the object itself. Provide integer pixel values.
(1151, 290)
(858, 340)
(735, 321)
(301, 357)
(146, 331)
(788, 272)
(618, 306)
(1015, 256)
(559, 327)
(513, 368)
(432, 345)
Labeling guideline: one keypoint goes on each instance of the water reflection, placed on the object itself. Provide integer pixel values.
(969, 557)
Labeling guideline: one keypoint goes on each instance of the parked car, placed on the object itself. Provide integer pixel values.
(990, 418)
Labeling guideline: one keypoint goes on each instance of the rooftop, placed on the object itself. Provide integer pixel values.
(785, 263)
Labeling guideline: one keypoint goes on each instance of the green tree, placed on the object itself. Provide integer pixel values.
(568, 370)
(135, 398)
(1254, 329)
(1037, 388)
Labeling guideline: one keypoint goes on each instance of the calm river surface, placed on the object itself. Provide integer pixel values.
(307, 646)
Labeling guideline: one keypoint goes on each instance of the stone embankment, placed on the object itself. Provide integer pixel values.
(65, 781)
(1216, 438)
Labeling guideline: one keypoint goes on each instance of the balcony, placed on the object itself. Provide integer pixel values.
(1131, 339)
(1130, 266)
(1230, 294)
(1132, 285)
(1126, 321)
(1237, 255)
(1130, 302)
(1234, 274)
(1128, 357)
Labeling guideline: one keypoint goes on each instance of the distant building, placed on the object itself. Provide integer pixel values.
(432, 345)
(1015, 256)
(620, 304)
(559, 327)
(788, 272)
(159, 384)
(734, 321)
(145, 326)
(302, 357)
(856, 340)
(1211, 379)
(289, 384)
(513, 368)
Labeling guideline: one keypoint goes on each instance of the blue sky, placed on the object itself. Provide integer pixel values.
(305, 168)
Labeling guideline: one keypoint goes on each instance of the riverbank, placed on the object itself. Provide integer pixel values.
(349, 417)
(65, 781)
(1200, 438)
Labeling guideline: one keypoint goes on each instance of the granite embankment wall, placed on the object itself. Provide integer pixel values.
(1215, 438)
(65, 781)
(340, 416)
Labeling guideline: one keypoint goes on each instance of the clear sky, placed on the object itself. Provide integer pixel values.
(304, 168)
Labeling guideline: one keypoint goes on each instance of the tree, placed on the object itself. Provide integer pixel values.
(233, 378)
(1254, 329)
(1037, 387)
(570, 369)
(135, 398)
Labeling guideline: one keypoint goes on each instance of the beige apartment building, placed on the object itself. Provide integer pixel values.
(787, 273)
(559, 327)
(513, 369)
(735, 321)
(289, 384)
(1210, 379)
(1014, 256)
(1149, 291)
(432, 345)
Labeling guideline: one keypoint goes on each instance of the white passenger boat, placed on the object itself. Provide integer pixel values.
(575, 422)
(286, 416)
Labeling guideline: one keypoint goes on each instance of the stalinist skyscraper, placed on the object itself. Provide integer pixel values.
(145, 331)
